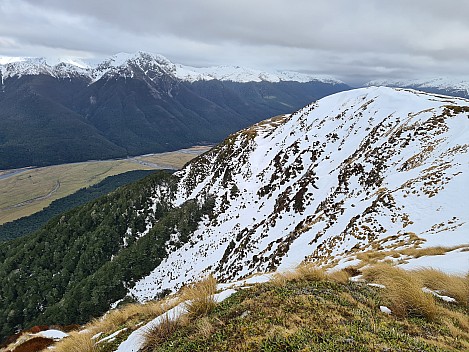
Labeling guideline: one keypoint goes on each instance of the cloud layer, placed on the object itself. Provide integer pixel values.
(352, 40)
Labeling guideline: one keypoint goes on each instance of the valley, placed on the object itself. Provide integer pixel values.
(250, 176)
(134, 104)
(26, 191)
(359, 178)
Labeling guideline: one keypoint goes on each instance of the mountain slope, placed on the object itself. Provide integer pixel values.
(377, 170)
(130, 104)
(374, 168)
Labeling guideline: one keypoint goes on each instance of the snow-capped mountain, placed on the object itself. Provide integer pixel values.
(58, 68)
(133, 104)
(450, 86)
(125, 64)
(373, 168)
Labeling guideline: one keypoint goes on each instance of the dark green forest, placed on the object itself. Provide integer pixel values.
(74, 267)
(34, 222)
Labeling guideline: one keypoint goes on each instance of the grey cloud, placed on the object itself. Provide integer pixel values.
(353, 39)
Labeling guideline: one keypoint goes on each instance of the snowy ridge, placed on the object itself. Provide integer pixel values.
(149, 64)
(446, 84)
(58, 68)
(244, 75)
(373, 168)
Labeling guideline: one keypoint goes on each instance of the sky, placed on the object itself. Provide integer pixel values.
(355, 41)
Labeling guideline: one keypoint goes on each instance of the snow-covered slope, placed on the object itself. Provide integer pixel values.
(374, 168)
(127, 64)
(448, 85)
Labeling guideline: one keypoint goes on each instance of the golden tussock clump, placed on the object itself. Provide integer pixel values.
(403, 291)
(77, 342)
(199, 297)
(454, 286)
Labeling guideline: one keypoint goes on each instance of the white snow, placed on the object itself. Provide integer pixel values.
(4, 60)
(95, 336)
(52, 334)
(443, 83)
(136, 340)
(220, 297)
(436, 294)
(454, 262)
(250, 281)
(385, 309)
(112, 336)
(243, 74)
(357, 278)
(376, 285)
(420, 192)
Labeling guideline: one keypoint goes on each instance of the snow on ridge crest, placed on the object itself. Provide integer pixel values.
(244, 75)
(443, 83)
(122, 63)
(355, 169)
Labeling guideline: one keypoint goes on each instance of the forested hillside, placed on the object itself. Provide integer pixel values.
(29, 224)
(95, 251)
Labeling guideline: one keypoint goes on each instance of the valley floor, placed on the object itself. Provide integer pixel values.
(29, 190)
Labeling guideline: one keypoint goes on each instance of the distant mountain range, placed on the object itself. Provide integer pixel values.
(446, 86)
(65, 110)
(60, 110)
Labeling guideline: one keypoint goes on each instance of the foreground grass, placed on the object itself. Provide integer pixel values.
(305, 309)
(123, 321)
(317, 313)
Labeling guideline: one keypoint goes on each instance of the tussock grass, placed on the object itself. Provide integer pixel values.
(376, 256)
(199, 297)
(77, 342)
(304, 271)
(341, 276)
(204, 327)
(403, 292)
(307, 308)
(159, 333)
(328, 314)
(311, 272)
(117, 318)
(198, 301)
(127, 316)
(450, 285)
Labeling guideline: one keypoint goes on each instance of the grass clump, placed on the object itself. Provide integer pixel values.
(126, 317)
(304, 271)
(118, 318)
(77, 342)
(454, 286)
(159, 333)
(200, 297)
(403, 292)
